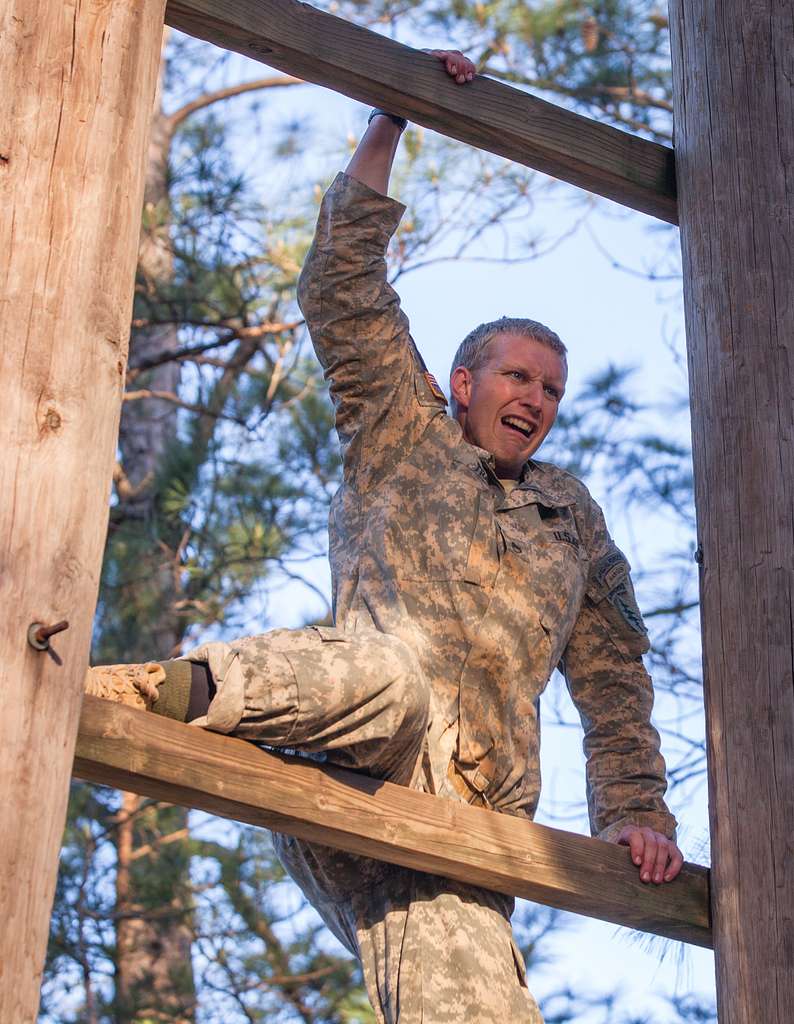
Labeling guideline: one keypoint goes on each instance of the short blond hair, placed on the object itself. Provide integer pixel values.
(472, 350)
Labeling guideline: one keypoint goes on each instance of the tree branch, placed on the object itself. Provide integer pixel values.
(175, 119)
(169, 396)
(674, 609)
(188, 351)
(148, 848)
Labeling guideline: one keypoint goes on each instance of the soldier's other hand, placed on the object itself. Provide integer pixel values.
(657, 857)
(457, 66)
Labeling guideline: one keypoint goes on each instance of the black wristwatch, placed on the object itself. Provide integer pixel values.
(401, 122)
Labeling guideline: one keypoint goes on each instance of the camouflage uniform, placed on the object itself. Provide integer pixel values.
(454, 602)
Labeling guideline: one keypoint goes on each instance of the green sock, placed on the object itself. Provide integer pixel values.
(174, 692)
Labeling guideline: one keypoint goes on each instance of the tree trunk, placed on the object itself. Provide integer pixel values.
(154, 934)
(154, 978)
(149, 428)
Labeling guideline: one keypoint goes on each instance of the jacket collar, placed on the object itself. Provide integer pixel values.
(547, 484)
(541, 483)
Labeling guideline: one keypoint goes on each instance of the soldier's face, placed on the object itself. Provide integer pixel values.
(508, 405)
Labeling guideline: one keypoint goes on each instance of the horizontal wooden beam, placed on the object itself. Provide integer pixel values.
(169, 761)
(300, 40)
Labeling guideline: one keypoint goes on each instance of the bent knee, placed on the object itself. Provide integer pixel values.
(408, 687)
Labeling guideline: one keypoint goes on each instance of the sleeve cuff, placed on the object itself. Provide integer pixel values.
(226, 708)
(351, 206)
(659, 821)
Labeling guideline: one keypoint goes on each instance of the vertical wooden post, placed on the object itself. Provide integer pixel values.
(733, 65)
(75, 103)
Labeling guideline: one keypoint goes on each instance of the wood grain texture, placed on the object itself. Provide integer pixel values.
(319, 48)
(178, 763)
(734, 106)
(77, 87)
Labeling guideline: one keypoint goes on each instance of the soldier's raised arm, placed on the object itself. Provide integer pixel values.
(372, 161)
(379, 384)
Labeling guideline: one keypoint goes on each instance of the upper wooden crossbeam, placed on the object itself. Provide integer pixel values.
(300, 40)
(166, 760)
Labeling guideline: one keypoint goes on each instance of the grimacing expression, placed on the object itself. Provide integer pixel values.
(509, 404)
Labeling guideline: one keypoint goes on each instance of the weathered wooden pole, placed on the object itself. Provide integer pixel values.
(75, 103)
(733, 67)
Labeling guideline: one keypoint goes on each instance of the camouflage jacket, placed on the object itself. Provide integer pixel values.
(492, 591)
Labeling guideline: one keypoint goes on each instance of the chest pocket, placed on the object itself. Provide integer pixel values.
(551, 566)
(547, 539)
(448, 535)
(611, 593)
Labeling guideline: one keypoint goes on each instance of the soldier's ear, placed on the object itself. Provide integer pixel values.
(460, 386)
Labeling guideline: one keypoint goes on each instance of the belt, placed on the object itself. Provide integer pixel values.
(467, 792)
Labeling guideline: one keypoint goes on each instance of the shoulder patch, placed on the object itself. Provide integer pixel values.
(625, 603)
(611, 569)
(432, 383)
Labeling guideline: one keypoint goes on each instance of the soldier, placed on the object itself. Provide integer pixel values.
(464, 572)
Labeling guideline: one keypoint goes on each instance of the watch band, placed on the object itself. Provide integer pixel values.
(401, 122)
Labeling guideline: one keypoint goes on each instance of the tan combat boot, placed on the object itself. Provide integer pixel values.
(133, 685)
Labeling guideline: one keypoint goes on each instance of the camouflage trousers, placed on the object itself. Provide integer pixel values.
(432, 951)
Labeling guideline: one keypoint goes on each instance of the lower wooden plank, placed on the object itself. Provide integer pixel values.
(166, 760)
